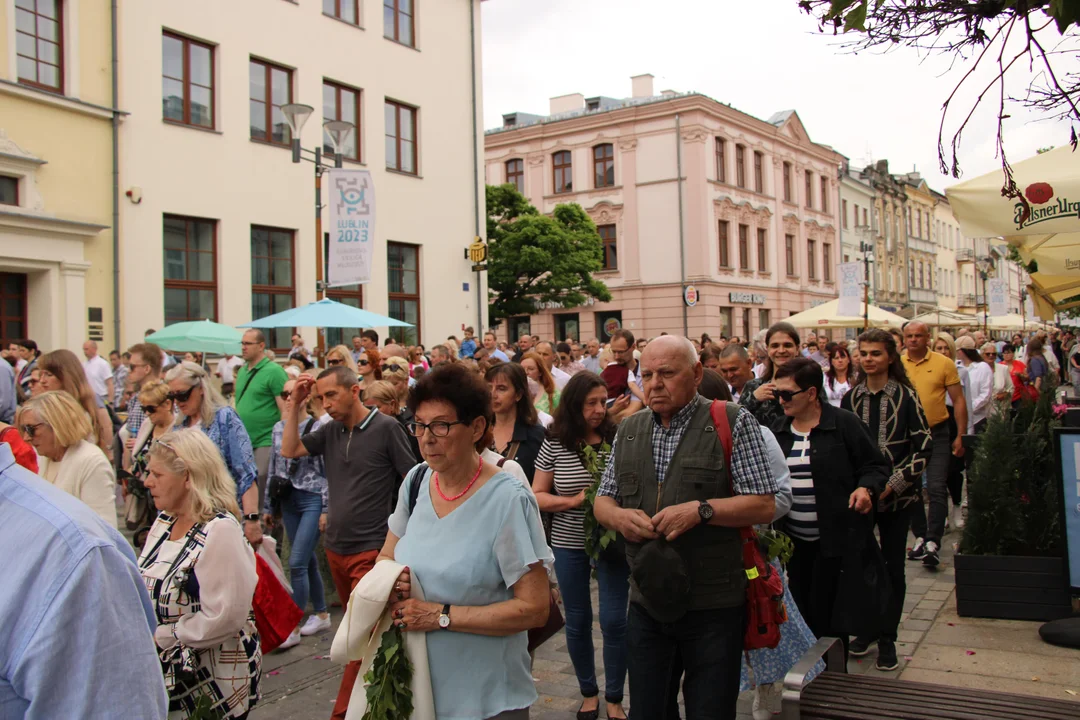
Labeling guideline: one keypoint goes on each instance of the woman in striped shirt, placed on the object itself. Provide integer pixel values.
(559, 483)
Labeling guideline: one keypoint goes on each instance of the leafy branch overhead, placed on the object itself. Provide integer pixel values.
(1001, 37)
(535, 259)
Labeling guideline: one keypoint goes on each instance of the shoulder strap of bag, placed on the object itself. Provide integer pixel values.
(250, 377)
(512, 449)
(414, 485)
(294, 465)
(720, 412)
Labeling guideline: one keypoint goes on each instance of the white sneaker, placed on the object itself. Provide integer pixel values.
(958, 517)
(761, 704)
(315, 625)
(292, 640)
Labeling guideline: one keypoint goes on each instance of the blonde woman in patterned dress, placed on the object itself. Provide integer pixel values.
(200, 572)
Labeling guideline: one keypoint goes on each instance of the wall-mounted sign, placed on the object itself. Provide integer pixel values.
(745, 297)
(690, 295)
(612, 326)
(478, 251)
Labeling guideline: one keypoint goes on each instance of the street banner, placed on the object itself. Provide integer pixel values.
(997, 291)
(1029, 307)
(351, 198)
(851, 289)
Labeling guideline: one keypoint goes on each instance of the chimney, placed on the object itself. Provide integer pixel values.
(642, 85)
(566, 103)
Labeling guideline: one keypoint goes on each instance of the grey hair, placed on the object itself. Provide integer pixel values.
(193, 375)
(685, 347)
(735, 350)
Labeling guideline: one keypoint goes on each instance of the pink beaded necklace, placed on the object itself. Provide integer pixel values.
(468, 487)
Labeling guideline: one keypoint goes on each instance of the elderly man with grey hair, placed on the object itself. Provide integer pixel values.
(671, 493)
(737, 369)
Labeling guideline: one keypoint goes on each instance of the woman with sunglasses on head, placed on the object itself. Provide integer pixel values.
(840, 377)
(837, 476)
(395, 370)
(201, 577)
(517, 434)
(562, 476)
(57, 427)
(61, 370)
(200, 405)
(340, 355)
(759, 395)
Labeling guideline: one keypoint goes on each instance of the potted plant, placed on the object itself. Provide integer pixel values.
(1011, 561)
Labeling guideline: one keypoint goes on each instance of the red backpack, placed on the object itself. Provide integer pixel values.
(765, 611)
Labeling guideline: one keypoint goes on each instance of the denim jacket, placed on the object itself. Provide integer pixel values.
(307, 473)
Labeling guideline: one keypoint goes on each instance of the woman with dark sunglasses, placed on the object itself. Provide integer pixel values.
(200, 405)
(340, 355)
(160, 415)
(369, 367)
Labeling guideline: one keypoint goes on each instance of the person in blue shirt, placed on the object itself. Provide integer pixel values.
(468, 345)
(78, 638)
(7, 393)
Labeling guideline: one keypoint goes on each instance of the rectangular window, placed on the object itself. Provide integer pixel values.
(811, 266)
(39, 43)
(740, 166)
(604, 165)
(789, 254)
(187, 81)
(564, 172)
(273, 279)
(341, 102)
(826, 261)
(190, 269)
(727, 327)
(763, 318)
(403, 268)
(270, 88)
(346, 10)
(843, 213)
(759, 172)
(353, 296)
(611, 247)
(9, 190)
(398, 18)
(809, 189)
(747, 332)
(761, 251)
(787, 182)
(401, 141)
(824, 194)
(515, 174)
(864, 220)
(13, 305)
(725, 252)
(721, 160)
(744, 247)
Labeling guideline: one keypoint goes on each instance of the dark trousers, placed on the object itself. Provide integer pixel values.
(710, 643)
(893, 528)
(814, 581)
(937, 487)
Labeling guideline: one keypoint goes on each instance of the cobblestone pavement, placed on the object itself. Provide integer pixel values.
(302, 682)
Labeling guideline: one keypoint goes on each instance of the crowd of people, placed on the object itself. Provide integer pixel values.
(478, 467)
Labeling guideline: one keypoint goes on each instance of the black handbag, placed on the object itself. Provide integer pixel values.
(279, 488)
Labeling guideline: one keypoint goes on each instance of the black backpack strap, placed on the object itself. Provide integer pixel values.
(414, 487)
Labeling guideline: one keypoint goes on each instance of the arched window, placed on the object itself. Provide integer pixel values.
(604, 165)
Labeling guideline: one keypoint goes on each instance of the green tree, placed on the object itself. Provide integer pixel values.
(533, 258)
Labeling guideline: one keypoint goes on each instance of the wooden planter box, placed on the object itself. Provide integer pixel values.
(1011, 587)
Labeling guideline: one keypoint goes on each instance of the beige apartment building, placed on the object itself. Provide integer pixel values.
(921, 263)
(757, 238)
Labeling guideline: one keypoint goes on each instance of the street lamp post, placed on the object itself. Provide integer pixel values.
(866, 248)
(296, 115)
(985, 264)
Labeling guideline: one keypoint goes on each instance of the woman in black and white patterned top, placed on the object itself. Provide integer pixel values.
(559, 483)
(200, 572)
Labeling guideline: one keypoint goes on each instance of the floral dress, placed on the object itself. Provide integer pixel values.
(211, 668)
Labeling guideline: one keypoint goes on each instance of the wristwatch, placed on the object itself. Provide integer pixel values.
(251, 517)
(705, 512)
(444, 618)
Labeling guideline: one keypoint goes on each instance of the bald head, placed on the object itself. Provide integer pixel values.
(671, 346)
(394, 350)
(670, 373)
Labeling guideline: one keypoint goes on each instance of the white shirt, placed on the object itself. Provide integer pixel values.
(544, 418)
(227, 366)
(759, 370)
(836, 391)
(98, 372)
(561, 377)
(981, 384)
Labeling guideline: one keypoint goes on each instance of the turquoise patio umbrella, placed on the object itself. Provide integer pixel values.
(198, 336)
(325, 313)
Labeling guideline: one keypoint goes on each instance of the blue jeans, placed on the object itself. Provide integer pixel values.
(573, 569)
(300, 512)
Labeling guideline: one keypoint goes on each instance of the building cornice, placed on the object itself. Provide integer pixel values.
(45, 97)
(47, 224)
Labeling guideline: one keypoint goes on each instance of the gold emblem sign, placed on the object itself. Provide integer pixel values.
(478, 251)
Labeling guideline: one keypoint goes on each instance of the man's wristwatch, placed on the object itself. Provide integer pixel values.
(444, 618)
(251, 517)
(705, 512)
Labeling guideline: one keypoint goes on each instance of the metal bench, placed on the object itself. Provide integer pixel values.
(837, 695)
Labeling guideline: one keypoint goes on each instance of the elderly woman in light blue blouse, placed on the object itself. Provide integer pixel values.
(303, 511)
(476, 545)
(199, 404)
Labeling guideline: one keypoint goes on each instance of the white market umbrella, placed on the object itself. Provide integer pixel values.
(942, 317)
(825, 316)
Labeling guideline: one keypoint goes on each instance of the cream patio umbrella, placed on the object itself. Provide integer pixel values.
(943, 317)
(825, 316)
(1048, 229)
(1011, 321)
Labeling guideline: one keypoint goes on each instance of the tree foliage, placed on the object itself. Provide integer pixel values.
(534, 259)
(1006, 35)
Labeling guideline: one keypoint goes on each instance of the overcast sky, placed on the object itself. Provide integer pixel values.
(759, 56)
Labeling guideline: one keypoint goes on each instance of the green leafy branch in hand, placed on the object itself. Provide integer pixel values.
(389, 680)
(775, 544)
(206, 710)
(597, 537)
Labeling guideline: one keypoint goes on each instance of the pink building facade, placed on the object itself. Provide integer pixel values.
(758, 234)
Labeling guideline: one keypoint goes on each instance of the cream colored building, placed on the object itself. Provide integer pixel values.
(946, 238)
(856, 219)
(56, 173)
(919, 211)
(757, 238)
(217, 220)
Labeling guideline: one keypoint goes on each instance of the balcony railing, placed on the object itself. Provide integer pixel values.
(965, 255)
(922, 295)
(966, 300)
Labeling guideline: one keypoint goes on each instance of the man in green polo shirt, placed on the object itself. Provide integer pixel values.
(258, 399)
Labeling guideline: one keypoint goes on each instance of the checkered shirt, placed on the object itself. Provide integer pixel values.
(750, 470)
(135, 415)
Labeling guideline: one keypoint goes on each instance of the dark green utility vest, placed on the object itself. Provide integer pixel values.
(698, 471)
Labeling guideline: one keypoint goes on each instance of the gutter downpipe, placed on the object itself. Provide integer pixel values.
(115, 177)
(480, 325)
(682, 240)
